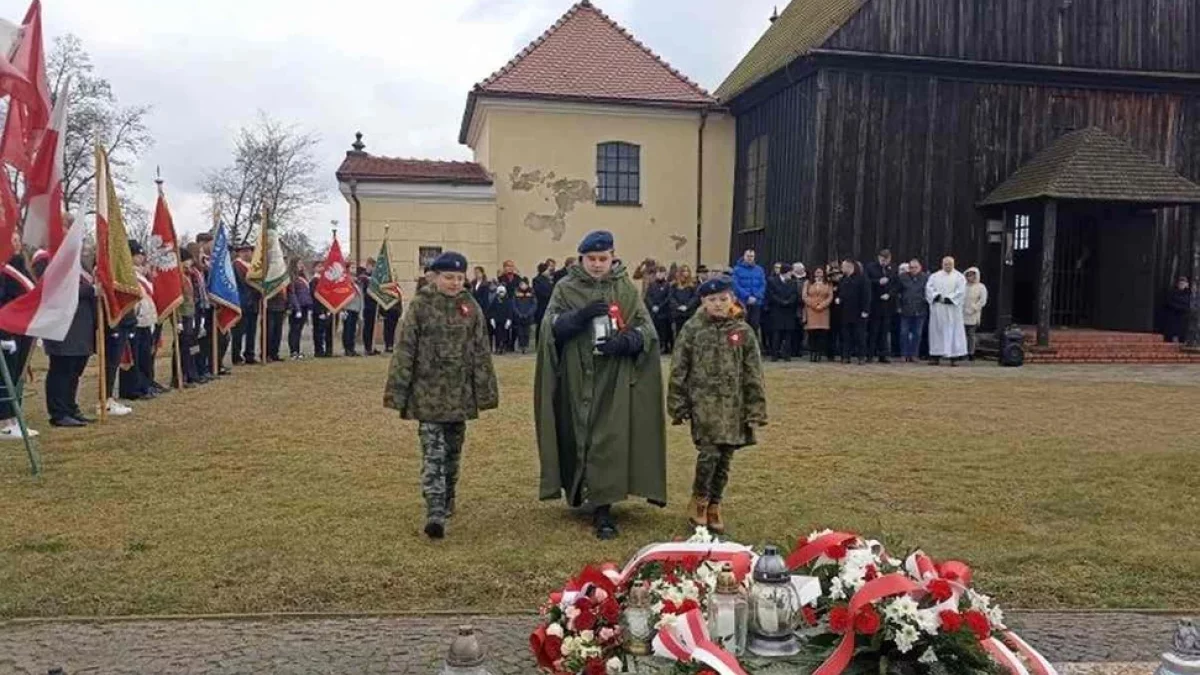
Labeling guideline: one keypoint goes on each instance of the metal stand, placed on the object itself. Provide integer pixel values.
(14, 397)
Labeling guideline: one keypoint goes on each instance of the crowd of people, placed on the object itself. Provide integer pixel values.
(132, 347)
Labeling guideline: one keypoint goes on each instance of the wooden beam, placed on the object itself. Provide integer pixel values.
(1004, 277)
(1046, 284)
(1193, 332)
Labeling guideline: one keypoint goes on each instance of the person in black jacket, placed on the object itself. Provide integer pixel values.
(68, 359)
(15, 281)
(658, 302)
(245, 331)
(854, 300)
(524, 313)
(391, 319)
(1179, 306)
(783, 311)
(500, 315)
(370, 310)
(543, 287)
(883, 278)
(322, 320)
(685, 297)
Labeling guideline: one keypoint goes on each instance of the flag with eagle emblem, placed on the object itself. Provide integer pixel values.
(162, 257)
(335, 288)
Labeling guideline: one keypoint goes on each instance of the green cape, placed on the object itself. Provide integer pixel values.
(601, 428)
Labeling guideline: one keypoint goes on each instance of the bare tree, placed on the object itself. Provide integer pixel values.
(274, 168)
(297, 245)
(95, 115)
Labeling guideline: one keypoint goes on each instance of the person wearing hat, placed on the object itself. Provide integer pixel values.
(725, 399)
(245, 331)
(441, 375)
(598, 390)
(322, 320)
(137, 382)
(783, 312)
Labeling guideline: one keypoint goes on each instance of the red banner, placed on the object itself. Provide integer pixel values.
(163, 260)
(335, 287)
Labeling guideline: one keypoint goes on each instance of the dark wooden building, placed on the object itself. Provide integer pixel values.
(1055, 144)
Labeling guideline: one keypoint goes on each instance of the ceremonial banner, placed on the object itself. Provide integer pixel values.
(383, 286)
(162, 257)
(335, 288)
(114, 263)
(268, 272)
(47, 311)
(10, 218)
(24, 78)
(222, 284)
(44, 182)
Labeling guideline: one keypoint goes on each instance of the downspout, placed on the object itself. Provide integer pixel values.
(357, 221)
(700, 187)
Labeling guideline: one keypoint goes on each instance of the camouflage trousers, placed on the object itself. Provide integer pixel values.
(712, 471)
(441, 452)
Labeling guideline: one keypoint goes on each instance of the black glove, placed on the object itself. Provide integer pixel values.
(594, 310)
(569, 324)
(625, 343)
(937, 299)
(947, 301)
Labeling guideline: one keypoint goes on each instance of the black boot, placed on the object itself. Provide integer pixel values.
(604, 524)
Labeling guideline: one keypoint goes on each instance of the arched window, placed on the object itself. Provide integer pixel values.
(618, 174)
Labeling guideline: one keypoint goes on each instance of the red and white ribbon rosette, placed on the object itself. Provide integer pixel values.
(740, 558)
(687, 640)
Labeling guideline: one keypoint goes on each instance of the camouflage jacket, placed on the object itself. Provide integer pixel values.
(442, 368)
(717, 381)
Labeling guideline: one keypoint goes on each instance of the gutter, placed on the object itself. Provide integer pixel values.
(357, 221)
(700, 186)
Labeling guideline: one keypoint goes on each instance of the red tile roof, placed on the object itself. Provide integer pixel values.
(586, 56)
(364, 167)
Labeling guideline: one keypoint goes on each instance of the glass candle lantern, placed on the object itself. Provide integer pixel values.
(606, 327)
(728, 613)
(636, 621)
(466, 656)
(774, 607)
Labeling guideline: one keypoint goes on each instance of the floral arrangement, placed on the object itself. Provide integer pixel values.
(874, 612)
(877, 609)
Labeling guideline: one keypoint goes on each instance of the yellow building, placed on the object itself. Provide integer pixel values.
(584, 129)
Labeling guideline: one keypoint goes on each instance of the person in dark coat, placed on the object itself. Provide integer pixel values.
(322, 319)
(882, 276)
(658, 302)
(370, 310)
(568, 263)
(15, 281)
(277, 311)
(1179, 306)
(68, 359)
(500, 318)
(543, 286)
(245, 332)
(685, 297)
(524, 314)
(833, 276)
(391, 319)
(783, 316)
(854, 300)
(300, 305)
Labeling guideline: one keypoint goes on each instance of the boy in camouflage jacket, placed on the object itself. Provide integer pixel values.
(717, 383)
(441, 375)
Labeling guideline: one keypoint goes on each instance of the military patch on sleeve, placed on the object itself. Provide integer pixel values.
(464, 309)
(736, 338)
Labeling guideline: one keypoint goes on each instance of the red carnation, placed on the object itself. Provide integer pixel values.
(978, 622)
(556, 597)
(810, 615)
(583, 604)
(585, 621)
(835, 551)
(669, 607)
(691, 563)
(940, 589)
(552, 647)
(687, 606)
(872, 573)
(611, 611)
(951, 621)
(595, 667)
(839, 619)
(867, 622)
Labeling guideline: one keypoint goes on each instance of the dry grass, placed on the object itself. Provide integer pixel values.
(290, 488)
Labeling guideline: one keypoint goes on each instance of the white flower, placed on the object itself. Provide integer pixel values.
(995, 617)
(836, 592)
(666, 620)
(928, 657)
(614, 666)
(569, 645)
(906, 637)
(555, 630)
(702, 536)
(979, 601)
(821, 533)
(902, 608)
(587, 636)
(607, 634)
(572, 612)
(928, 621)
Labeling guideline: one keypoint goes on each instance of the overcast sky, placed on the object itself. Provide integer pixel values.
(397, 70)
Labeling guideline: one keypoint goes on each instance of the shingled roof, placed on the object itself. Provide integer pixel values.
(1092, 164)
(803, 26)
(367, 168)
(586, 56)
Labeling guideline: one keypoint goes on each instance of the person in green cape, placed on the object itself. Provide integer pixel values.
(598, 391)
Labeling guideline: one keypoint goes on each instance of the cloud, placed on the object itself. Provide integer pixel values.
(398, 70)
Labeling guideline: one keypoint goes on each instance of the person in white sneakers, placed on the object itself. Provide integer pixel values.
(15, 281)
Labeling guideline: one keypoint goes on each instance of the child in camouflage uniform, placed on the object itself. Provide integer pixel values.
(717, 383)
(442, 375)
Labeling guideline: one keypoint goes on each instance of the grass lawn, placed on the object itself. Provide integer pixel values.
(289, 488)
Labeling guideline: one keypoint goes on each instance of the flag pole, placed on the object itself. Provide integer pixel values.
(212, 329)
(100, 353)
(178, 351)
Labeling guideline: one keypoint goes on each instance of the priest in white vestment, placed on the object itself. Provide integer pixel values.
(945, 293)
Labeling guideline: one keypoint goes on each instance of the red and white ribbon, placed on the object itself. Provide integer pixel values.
(740, 557)
(1037, 664)
(687, 640)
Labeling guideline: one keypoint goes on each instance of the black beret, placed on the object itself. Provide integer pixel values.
(184, 254)
(135, 248)
(786, 267)
(449, 262)
(702, 269)
(595, 242)
(715, 285)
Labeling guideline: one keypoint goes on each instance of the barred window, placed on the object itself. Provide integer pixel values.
(1021, 233)
(618, 174)
(754, 173)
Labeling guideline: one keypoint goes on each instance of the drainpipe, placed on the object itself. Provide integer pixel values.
(357, 221)
(700, 186)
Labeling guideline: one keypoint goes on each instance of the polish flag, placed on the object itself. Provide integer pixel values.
(23, 75)
(44, 182)
(47, 311)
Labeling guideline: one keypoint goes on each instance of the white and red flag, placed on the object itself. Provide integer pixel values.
(23, 77)
(47, 311)
(162, 256)
(335, 287)
(44, 181)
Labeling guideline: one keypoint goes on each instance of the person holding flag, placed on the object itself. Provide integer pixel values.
(223, 294)
(370, 308)
(15, 282)
(268, 277)
(334, 290)
(116, 277)
(385, 294)
(68, 351)
(245, 332)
